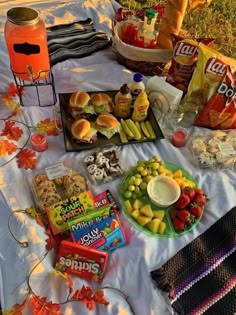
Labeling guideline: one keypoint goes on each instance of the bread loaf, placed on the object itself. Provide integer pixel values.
(171, 22)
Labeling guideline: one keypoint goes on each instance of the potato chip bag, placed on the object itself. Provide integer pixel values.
(213, 88)
(185, 54)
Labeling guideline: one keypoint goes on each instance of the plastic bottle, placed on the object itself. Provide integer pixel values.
(148, 32)
(141, 106)
(136, 86)
(123, 100)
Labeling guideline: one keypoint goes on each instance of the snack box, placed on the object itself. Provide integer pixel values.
(57, 182)
(61, 213)
(84, 230)
(104, 165)
(105, 234)
(81, 261)
(105, 198)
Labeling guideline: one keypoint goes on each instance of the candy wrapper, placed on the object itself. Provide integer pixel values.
(100, 231)
(105, 198)
(61, 213)
(81, 261)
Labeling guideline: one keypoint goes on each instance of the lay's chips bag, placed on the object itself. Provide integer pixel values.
(213, 88)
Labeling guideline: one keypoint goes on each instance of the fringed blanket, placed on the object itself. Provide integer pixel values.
(201, 278)
(75, 40)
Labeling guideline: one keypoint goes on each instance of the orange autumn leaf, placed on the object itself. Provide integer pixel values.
(7, 147)
(16, 309)
(14, 91)
(11, 131)
(65, 276)
(26, 159)
(53, 241)
(40, 306)
(48, 126)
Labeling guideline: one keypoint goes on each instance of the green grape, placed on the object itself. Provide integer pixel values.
(155, 165)
(131, 180)
(134, 195)
(137, 181)
(143, 186)
(140, 162)
(128, 194)
(140, 169)
(138, 176)
(131, 188)
(137, 190)
(154, 173)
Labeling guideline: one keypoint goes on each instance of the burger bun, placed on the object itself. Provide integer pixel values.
(106, 121)
(80, 128)
(79, 99)
(99, 99)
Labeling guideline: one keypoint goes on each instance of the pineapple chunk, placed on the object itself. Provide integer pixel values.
(153, 226)
(128, 206)
(147, 211)
(137, 204)
(162, 227)
(158, 214)
(143, 220)
(135, 214)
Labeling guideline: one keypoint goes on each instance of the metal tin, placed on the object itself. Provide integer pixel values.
(23, 16)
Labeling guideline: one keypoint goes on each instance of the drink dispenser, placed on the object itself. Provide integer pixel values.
(26, 40)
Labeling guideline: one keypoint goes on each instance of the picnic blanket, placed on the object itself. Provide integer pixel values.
(201, 278)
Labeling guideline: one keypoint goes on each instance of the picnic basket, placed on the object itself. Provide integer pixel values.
(146, 61)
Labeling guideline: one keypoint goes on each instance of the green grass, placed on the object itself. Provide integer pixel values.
(217, 21)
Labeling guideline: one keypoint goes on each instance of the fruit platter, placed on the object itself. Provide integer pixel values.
(92, 126)
(176, 212)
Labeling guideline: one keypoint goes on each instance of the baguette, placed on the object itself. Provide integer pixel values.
(171, 22)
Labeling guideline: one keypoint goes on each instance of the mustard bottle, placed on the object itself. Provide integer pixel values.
(141, 106)
(123, 100)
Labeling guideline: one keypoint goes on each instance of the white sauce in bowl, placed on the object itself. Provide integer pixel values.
(163, 191)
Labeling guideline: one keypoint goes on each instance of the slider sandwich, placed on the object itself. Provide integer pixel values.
(107, 124)
(102, 103)
(79, 105)
(83, 131)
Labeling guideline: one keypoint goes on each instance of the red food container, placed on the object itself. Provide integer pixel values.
(26, 40)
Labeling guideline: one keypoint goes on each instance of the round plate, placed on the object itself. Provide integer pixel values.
(169, 232)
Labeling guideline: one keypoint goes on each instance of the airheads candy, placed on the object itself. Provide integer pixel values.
(60, 214)
(81, 261)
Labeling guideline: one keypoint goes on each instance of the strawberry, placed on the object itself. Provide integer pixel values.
(184, 215)
(183, 201)
(189, 192)
(199, 191)
(173, 214)
(196, 211)
(200, 200)
(178, 225)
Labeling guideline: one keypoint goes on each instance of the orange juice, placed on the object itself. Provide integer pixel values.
(26, 40)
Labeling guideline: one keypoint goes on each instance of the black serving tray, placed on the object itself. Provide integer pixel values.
(73, 145)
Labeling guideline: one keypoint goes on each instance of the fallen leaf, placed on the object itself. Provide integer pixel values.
(26, 159)
(53, 241)
(40, 306)
(7, 147)
(66, 277)
(16, 309)
(11, 131)
(48, 126)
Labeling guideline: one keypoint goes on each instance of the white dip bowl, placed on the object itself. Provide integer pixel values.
(163, 191)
